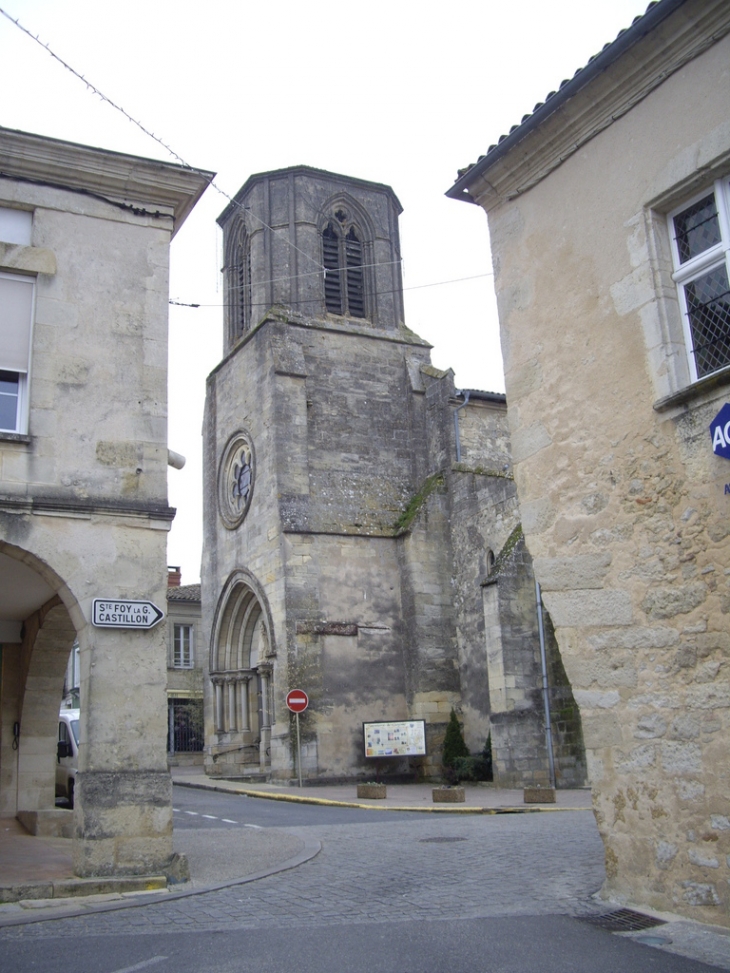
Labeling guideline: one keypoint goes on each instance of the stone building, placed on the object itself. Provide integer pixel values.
(355, 503)
(186, 666)
(84, 252)
(609, 215)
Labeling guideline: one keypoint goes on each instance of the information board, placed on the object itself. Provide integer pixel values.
(399, 738)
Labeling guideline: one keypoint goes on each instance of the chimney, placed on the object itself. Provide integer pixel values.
(174, 576)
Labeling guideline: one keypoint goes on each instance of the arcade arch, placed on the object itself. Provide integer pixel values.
(36, 634)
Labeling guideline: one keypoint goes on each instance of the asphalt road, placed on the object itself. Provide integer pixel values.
(400, 893)
(200, 808)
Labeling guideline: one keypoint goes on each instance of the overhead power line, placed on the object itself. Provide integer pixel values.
(92, 87)
(316, 300)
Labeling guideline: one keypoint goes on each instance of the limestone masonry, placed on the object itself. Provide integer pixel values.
(84, 249)
(361, 537)
(608, 212)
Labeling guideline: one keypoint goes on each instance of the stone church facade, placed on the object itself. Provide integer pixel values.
(362, 539)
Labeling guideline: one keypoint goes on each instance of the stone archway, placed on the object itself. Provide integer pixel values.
(36, 633)
(241, 674)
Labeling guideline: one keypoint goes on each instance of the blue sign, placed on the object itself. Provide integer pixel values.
(720, 432)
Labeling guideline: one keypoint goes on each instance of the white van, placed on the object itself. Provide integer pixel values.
(67, 754)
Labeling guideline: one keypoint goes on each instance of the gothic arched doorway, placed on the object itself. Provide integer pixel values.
(241, 671)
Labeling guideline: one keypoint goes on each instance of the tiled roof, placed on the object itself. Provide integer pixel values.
(581, 76)
(184, 592)
(481, 394)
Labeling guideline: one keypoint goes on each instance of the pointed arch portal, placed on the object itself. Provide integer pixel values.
(241, 671)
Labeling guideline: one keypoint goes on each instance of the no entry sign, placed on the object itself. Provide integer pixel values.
(297, 700)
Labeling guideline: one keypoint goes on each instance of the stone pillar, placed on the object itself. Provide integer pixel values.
(218, 703)
(265, 728)
(123, 794)
(245, 717)
(265, 721)
(231, 685)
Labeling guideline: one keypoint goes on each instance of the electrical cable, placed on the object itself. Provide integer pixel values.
(318, 300)
(210, 180)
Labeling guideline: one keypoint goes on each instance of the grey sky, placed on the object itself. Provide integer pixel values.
(399, 92)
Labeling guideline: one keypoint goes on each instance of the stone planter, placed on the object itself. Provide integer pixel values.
(448, 795)
(539, 795)
(374, 792)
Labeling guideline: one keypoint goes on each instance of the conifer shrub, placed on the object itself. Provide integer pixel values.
(454, 747)
(475, 767)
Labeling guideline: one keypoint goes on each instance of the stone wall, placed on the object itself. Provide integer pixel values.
(83, 491)
(624, 504)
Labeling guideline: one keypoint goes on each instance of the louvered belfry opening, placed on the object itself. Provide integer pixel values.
(244, 286)
(332, 277)
(344, 281)
(355, 284)
(239, 286)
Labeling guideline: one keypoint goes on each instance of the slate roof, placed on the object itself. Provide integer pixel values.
(640, 26)
(184, 592)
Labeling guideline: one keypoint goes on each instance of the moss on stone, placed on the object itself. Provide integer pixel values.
(510, 544)
(481, 471)
(431, 483)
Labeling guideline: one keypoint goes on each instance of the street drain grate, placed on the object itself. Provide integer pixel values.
(622, 920)
(438, 841)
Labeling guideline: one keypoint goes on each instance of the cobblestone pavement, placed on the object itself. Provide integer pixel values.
(440, 866)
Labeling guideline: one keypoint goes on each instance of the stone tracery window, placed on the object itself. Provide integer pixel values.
(236, 480)
(342, 258)
(239, 285)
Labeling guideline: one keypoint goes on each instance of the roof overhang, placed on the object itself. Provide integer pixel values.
(123, 178)
(612, 82)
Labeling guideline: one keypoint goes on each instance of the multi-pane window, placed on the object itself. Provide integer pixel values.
(344, 281)
(16, 319)
(700, 235)
(182, 647)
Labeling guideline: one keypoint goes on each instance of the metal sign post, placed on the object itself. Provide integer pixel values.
(299, 752)
(297, 701)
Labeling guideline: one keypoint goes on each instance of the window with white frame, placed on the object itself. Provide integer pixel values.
(700, 234)
(17, 295)
(182, 647)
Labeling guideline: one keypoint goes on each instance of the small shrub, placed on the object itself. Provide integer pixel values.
(474, 766)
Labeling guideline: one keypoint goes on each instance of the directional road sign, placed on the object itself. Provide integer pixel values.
(118, 613)
(297, 700)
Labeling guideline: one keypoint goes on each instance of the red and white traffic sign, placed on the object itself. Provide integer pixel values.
(297, 700)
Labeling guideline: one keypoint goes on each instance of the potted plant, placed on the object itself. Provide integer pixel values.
(371, 790)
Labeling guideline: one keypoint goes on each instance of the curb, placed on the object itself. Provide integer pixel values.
(329, 802)
(311, 849)
(65, 888)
